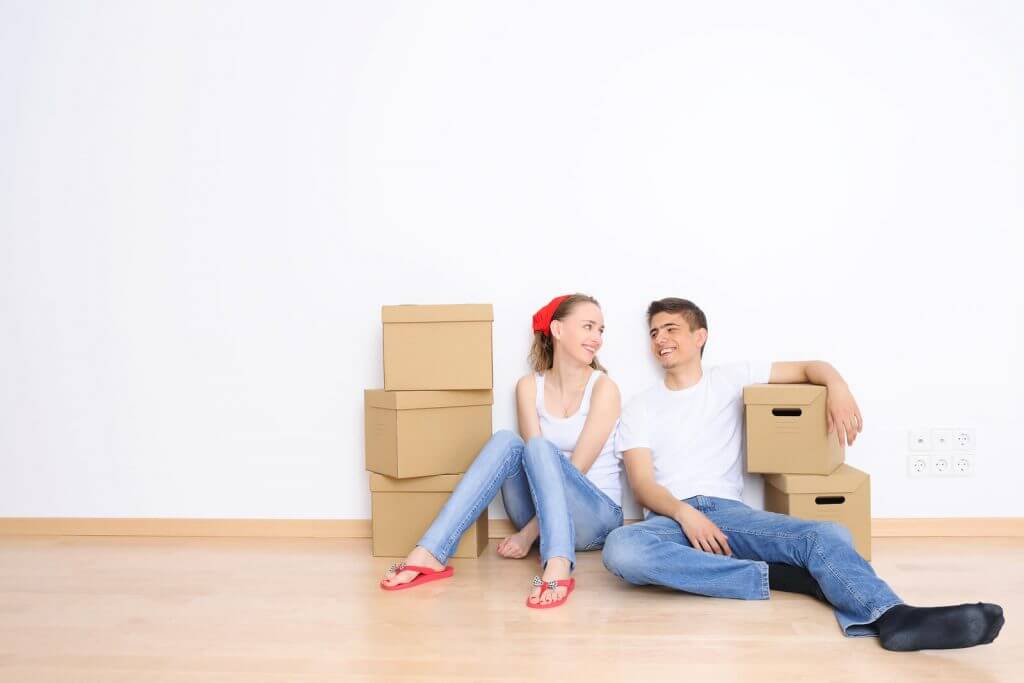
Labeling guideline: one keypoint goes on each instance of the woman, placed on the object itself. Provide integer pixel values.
(559, 477)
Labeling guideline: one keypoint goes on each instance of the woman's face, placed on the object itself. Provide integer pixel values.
(580, 334)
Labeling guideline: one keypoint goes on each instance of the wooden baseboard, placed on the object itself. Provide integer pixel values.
(985, 527)
(169, 526)
(360, 528)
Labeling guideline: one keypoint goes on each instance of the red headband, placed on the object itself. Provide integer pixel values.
(542, 318)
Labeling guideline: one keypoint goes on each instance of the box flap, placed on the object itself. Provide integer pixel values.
(434, 314)
(409, 400)
(438, 482)
(845, 479)
(781, 394)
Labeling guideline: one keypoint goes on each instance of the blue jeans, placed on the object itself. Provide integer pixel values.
(656, 551)
(535, 480)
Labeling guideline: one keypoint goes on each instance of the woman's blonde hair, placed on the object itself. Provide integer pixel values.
(542, 353)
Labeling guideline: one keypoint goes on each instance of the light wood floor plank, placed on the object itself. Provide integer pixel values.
(243, 609)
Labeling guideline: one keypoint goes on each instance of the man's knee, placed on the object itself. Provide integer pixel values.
(623, 554)
(833, 533)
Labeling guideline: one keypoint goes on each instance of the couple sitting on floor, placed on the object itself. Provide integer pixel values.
(682, 444)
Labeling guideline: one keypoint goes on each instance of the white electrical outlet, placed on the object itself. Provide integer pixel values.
(963, 439)
(917, 465)
(963, 465)
(942, 439)
(941, 465)
(919, 440)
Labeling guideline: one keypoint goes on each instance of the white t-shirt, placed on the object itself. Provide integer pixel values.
(695, 434)
(564, 433)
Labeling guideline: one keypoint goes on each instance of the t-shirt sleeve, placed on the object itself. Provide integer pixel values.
(633, 431)
(741, 374)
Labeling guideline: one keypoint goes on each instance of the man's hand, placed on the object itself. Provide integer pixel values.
(701, 531)
(843, 414)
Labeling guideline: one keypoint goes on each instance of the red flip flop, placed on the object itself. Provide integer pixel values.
(426, 575)
(551, 585)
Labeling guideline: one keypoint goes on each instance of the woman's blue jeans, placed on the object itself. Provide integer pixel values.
(535, 480)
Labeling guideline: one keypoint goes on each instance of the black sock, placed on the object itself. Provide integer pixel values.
(792, 579)
(905, 628)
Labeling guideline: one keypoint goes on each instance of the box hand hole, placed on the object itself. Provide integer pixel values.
(787, 412)
(830, 500)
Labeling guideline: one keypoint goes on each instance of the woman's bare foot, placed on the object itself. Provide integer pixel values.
(419, 557)
(517, 546)
(558, 568)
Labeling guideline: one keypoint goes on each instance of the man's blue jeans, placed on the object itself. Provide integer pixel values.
(656, 551)
(535, 480)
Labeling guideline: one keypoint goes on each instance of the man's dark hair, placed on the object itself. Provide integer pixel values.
(689, 310)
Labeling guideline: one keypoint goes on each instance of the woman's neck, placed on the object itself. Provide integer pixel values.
(568, 373)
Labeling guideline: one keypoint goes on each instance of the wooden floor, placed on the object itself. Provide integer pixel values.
(196, 609)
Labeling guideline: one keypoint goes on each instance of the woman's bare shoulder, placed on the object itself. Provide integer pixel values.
(527, 384)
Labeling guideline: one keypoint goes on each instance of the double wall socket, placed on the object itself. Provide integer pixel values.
(941, 452)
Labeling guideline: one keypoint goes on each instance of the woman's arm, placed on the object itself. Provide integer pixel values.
(526, 407)
(605, 406)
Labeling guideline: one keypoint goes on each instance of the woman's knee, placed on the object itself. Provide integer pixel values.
(503, 446)
(539, 448)
(504, 439)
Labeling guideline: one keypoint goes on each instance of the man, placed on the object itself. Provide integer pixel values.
(682, 443)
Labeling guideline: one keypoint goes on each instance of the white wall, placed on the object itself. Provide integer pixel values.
(204, 205)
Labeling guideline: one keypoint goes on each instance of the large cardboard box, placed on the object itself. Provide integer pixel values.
(787, 430)
(437, 347)
(423, 433)
(403, 509)
(843, 496)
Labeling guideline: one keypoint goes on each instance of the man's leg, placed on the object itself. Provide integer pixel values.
(824, 549)
(864, 603)
(655, 551)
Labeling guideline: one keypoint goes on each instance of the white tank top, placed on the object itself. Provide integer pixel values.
(564, 432)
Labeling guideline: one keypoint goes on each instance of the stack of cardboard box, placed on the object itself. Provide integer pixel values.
(805, 476)
(429, 422)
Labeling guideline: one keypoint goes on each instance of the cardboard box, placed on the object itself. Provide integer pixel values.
(423, 433)
(787, 430)
(843, 496)
(437, 347)
(403, 510)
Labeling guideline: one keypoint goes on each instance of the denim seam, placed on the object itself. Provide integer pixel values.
(656, 532)
(851, 589)
(598, 496)
(765, 587)
(599, 541)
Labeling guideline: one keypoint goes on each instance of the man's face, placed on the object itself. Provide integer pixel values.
(672, 341)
